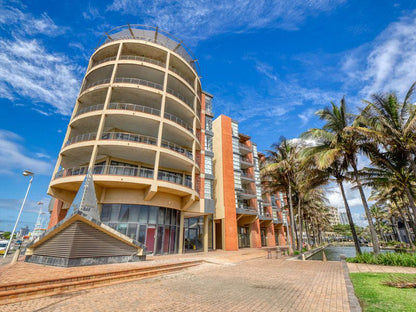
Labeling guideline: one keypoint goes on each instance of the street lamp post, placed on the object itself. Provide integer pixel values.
(26, 173)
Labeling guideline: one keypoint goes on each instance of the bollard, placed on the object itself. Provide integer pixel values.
(15, 256)
(303, 257)
(323, 256)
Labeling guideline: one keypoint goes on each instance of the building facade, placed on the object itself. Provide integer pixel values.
(165, 173)
(246, 215)
(139, 125)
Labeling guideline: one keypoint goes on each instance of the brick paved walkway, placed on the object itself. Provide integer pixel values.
(251, 285)
(363, 267)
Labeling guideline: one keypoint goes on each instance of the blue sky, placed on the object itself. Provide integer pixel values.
(269, 64)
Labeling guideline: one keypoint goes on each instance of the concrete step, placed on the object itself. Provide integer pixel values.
(20, 291)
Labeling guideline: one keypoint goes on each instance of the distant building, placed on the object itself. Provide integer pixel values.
(24, 231)
(334, 216)
(343, 218)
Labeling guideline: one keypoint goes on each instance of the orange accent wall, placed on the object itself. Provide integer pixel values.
(230, 217)
(57, 214)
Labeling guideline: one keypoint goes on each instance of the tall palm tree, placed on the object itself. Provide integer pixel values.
(335, 141)
(282, 164)
(391, 123)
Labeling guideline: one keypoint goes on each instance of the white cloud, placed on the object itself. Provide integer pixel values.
(386, 64)
(28, 24)
(14, 157)
(192, 19)
(306, 115)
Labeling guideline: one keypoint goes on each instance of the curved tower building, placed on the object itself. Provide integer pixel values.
(142, 125)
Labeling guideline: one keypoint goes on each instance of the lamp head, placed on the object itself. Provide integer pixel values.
(28, 173)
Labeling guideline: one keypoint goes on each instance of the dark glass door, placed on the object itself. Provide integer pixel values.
(159, 240)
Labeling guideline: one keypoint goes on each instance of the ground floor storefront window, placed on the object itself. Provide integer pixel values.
(243, 236)
(263, 235)
(194, 234)
(155, 227)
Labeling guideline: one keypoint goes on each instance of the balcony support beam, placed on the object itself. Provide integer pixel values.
(187, 201)
(150, 192)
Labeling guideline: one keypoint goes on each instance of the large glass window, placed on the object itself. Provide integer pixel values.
(156, 227)
(208, 123)
(208, 143)
(208, 165)
(208, 189)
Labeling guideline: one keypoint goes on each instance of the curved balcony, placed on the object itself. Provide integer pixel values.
(130, 171)
(107, 59)
(89, 109)
(81, 138)
(95, 83)
(179, 121)
(177, 148)
(180, 96)
(139, 81)
(180, 74)
(125, 136)
(142, 59)
(135, 108)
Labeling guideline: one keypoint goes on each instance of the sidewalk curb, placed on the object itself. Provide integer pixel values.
(352, 298)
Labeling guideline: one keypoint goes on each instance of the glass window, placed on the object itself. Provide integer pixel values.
(131, 230)
(124, 213)
(208, 123)
(208, 165)
(208, 143)
(153, 215)
(161, 218)
(115, 211)
(105, 212)
(142, 233)
(134, 213)
(208, 189)
(144, 211)
(167, 216)
(173, 217)
(122, 228)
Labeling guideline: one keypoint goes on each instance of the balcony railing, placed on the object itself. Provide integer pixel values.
(131, 171)
(176, 178)
(266, 203)
(247, 176)
(247, 191)
(181, 97)
(245, 147)
(140, 82)
(142, 59)
(182, 75)
(108, 59)
(107, 169)
(249, 209)
(177, 148)
(125, 136)
(246, 161)
(95, 83)
(135, 107)
(89, 109)
(178, 121)
(81, 138)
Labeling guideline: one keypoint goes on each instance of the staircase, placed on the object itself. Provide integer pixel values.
(48, 287)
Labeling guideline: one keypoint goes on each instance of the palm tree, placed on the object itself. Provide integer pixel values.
(282, 164)
(391, 123)
(335, 142)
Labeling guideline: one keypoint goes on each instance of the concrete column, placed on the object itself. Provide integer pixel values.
(206, 227)
(181, 230)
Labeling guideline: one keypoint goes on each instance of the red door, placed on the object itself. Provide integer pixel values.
(150, 239)
(166, 243)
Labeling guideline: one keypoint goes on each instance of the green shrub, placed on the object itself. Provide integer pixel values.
(394, 259)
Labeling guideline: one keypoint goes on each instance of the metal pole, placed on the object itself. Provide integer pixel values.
(18, 217)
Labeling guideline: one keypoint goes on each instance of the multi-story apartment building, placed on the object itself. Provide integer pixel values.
(143, 126)
(245, 215)
(334, 217)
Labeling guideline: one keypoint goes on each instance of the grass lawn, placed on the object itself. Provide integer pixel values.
(374, 296)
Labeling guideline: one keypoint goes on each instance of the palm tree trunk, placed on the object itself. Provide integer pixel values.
(292, 221)
(300, 226)
(307, 232)
(296, 235)
(374, 238)
(350, 220)
(411, 201)
(406, 225)
(396, 229)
